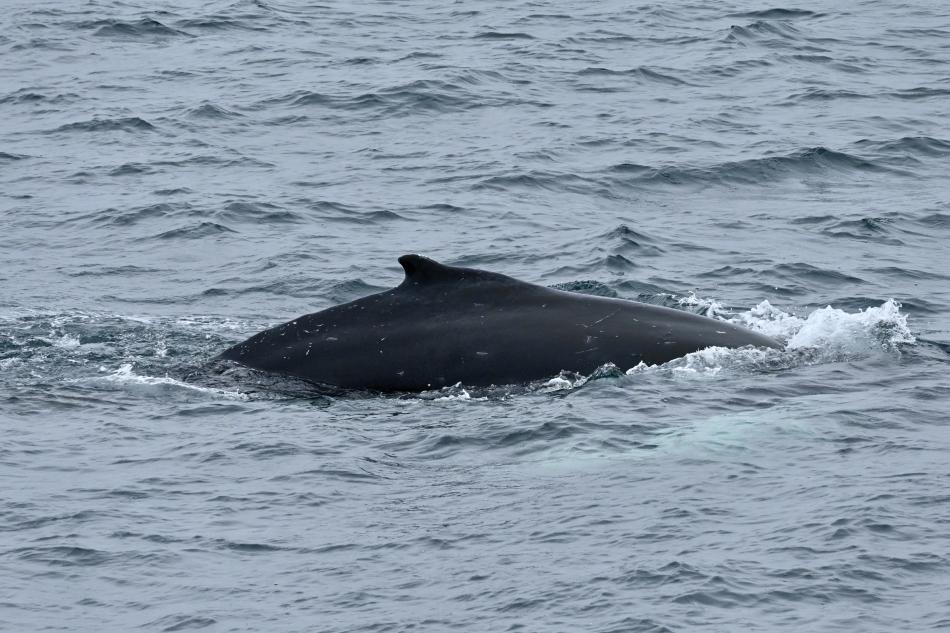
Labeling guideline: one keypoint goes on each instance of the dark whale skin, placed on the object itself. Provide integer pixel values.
(445, 325)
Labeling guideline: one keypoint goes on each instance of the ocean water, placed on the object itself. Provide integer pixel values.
(175, 176)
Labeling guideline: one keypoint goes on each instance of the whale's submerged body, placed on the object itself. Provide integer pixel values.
(445, 325)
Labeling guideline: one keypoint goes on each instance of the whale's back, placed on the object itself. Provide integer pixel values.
(445, 325)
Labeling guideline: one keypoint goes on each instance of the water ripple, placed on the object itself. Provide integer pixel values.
(176, 177)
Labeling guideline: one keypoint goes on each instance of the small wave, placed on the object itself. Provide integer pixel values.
(809, 162)
(146, 27)
(132, 169)
(197, 231)
(592, 266)
(327, 206)
(921, 93)
(223, 161)
(763, 29)
(820, 94)
(800, 271)
(7, 157)
(361, 61)
(416, 96)
(368, 217)
(500, 35)
(41, 43)
(536, 179)
(935, 220)
(264, 450)
(327, 210)
(624, 239)
(64, 555)
(438, 96)
(108, 271)
(900, 273)
(642, 73)
(913, 146)
(775, 14)
(602, 35)
(424, 95)
(212, 111)
(443, 443)
(813, 59)
(257, 212)
(135, 215)
(420, 55)
(358, 475)
(734, 68)
(174, 191)
(240, 546)
(22, 96)
(126, 124)
(444, 207)
(174, 623)
(920, 32)
(867, 229)
(220, 23)
(630, 168)
(350, 290)
(303, 287)
(308, 98)
(29, 96)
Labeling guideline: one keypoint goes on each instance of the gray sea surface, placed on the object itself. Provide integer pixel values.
(175, 176)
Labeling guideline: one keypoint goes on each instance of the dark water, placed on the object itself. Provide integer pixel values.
(177, 176)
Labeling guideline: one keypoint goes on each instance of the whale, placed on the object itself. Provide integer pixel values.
(445, 325)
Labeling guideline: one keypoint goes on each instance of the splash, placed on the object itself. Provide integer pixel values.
(455, 392)
(883, 326)
(829, 328)
(769, 320)
(825, 335)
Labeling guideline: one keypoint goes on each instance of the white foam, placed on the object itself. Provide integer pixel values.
(769, 320)
(126, 378)
(66, 341)
(708, 307)
(456, 393)
(706, 363)
(825, 335)
(462, 395)
(216, 324)
(558, 383)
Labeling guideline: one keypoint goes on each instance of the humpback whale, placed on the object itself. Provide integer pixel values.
(444, 325)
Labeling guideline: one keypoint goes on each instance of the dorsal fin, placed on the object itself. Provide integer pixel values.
(422, 271)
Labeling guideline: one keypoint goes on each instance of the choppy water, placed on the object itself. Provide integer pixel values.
(177, 176)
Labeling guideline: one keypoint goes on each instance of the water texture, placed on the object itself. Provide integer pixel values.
(175, 176)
